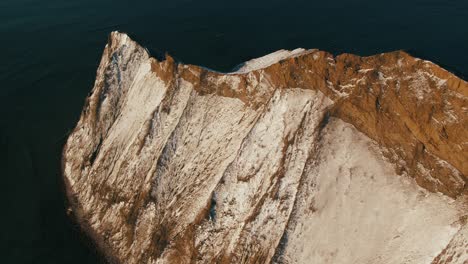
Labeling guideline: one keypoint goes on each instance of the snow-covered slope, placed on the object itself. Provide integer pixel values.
(298, 157)
(355, 209)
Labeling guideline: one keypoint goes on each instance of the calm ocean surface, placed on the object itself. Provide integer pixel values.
(50, 50)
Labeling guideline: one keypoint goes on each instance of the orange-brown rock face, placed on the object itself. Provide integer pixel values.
(298, 156)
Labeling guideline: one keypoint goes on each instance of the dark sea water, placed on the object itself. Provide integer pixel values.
(50, 50)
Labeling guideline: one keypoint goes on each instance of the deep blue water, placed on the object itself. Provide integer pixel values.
(50, 50)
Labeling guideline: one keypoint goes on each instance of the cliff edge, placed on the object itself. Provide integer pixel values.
(296, 157)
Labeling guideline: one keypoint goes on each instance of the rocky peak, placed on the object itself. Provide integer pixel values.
(298, 155)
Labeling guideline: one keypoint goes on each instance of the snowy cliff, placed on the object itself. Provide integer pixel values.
(297, 157)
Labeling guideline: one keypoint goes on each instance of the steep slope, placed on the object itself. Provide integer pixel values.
(298, 156)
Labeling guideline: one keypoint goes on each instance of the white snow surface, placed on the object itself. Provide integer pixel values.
(272, 58)
(355, 209)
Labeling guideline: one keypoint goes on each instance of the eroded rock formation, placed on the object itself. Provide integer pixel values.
(297, 157)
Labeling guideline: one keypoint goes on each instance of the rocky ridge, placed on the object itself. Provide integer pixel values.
(298, 156)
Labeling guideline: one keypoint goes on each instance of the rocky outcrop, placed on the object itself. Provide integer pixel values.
(297, 157)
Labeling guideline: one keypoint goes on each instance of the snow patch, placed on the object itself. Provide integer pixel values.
(270, 59)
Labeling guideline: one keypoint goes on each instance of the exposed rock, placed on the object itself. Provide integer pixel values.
(297, 157)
